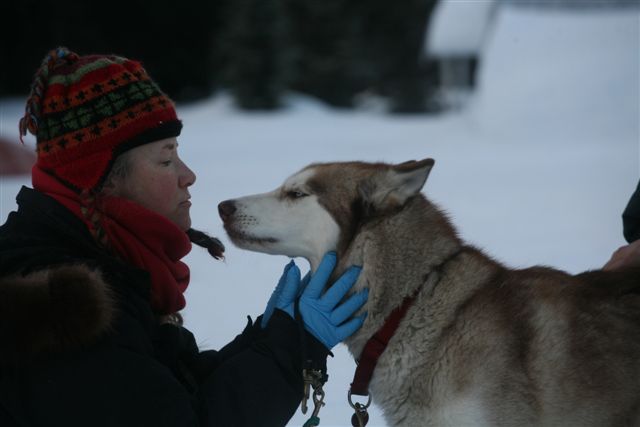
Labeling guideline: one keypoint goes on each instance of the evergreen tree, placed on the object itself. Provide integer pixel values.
(323, 38)
(255, 53)
(392, 38)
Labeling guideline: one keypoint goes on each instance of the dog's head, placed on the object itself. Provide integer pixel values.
(320, 208)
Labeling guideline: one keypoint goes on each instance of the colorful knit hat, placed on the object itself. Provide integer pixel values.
(86, 110)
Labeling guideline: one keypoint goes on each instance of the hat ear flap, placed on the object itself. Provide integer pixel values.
(392, 187)
(87, 176)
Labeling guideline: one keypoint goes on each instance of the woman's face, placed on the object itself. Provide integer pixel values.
(158, 180)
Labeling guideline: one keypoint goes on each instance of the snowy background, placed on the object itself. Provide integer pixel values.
(536, 169)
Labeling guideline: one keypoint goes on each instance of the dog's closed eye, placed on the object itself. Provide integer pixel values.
(295, 194)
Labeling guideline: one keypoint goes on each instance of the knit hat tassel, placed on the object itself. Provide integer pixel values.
(33, 109)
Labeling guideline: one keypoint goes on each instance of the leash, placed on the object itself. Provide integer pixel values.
(312, 376)
(374, 348)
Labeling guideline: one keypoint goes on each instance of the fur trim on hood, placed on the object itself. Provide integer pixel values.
(51, 310)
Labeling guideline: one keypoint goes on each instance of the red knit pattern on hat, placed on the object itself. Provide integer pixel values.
(86, 110)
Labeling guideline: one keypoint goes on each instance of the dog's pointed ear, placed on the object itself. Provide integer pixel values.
(393, 187)
(410, 177)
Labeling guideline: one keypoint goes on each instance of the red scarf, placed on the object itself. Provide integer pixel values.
(141, 237)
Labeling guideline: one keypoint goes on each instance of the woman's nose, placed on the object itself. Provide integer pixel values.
(187, 177)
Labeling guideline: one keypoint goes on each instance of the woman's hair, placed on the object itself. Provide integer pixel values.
(119, 170)
(211, 244)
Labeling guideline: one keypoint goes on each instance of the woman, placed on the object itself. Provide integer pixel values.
(91, 280)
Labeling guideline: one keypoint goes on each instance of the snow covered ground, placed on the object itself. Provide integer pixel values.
(536, 170)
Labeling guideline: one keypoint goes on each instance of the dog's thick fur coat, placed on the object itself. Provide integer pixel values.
(482, 345)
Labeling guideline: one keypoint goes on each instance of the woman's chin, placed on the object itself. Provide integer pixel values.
(183, 222)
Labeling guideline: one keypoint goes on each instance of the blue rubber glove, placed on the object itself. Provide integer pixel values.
(287, 290)
(321, 314)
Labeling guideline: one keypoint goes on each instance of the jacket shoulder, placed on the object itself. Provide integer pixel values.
(53, 309)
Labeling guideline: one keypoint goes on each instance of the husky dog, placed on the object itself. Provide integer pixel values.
(482, 344)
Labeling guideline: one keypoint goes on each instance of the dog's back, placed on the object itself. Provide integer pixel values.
(488, 345)
(565, 350)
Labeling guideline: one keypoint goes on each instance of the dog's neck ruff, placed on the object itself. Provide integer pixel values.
(377, 344)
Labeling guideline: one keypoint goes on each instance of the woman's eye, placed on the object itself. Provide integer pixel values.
(166, 163)
(296, 194)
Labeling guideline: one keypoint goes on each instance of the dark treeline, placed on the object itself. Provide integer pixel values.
(257, 49)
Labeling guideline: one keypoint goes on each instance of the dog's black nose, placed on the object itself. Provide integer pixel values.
(226, 209)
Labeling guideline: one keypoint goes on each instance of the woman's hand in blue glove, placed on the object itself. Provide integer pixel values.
(286, 292)
(323, 316)
(329, 322)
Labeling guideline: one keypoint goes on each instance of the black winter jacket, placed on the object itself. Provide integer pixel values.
(80, 346)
